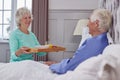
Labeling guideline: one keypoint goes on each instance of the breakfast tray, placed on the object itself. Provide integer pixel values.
(52, 48)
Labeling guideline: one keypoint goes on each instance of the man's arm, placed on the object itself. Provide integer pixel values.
(89, 49)
(70, 64)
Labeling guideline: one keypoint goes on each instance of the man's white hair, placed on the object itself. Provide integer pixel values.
(104, 17)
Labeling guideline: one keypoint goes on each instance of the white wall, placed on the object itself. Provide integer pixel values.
(73, 4)
(63, 17)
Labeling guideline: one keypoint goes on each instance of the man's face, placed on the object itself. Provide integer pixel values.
(93, 25)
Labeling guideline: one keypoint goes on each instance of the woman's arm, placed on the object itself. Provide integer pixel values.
(13, 44)
(38, 44)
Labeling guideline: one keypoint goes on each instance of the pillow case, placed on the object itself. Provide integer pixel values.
(111, 64)
(85, 34)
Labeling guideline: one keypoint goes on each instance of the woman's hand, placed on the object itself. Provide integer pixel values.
(22, 50)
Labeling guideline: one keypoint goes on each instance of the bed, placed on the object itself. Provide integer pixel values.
(101, 67)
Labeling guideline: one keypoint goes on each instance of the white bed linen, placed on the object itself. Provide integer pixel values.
(85, 71)
(102, 67)
(25, 70)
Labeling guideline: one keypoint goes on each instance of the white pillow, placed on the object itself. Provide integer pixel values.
(110, 66)
(110, 40)
(85, 34)
(113, 50)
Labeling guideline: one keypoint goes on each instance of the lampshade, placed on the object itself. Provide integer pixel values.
(81, 23)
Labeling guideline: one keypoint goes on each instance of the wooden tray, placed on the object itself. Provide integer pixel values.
(49, 49)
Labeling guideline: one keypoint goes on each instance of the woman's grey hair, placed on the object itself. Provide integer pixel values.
(104, 17)
(20, 13)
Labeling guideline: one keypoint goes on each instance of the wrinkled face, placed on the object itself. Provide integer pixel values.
(93, 26)
(26, 21)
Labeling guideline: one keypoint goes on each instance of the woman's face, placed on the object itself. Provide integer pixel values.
(25, 21)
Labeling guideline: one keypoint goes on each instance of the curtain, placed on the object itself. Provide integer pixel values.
(40, 20)
(40, 24)
(114, 7)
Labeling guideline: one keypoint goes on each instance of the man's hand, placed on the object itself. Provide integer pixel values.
(50, 62)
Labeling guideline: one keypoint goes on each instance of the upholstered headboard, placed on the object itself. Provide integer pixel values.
(114, 7)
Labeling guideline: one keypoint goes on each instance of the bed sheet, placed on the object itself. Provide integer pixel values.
(25, 70)
(102, 67)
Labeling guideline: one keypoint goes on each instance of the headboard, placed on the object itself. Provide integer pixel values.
(114, 7)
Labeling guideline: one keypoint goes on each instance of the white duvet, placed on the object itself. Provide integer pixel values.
(102, 67)
(25, 70)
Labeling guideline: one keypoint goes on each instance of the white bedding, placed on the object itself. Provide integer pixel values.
(102, 67)
(25, 70)
(85, 71)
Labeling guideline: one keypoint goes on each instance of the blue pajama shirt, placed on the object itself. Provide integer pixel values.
(91, 47)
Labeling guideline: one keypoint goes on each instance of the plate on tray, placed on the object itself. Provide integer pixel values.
(46, 48)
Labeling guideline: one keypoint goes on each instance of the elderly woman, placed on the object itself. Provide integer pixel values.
(22, 39)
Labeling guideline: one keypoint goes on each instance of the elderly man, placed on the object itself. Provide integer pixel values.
(99, 23)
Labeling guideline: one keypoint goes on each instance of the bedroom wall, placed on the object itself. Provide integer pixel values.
(63, 17)
(73, 4)
(4, 51)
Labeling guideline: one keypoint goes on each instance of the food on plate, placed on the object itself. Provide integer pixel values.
(46, 48)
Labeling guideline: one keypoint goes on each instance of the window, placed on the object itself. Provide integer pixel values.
(26, 3)
(7, 15)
